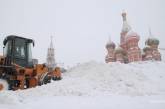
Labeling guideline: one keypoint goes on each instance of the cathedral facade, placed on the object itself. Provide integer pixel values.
(128, 50)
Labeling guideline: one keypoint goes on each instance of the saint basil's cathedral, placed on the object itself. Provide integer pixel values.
(128, 49)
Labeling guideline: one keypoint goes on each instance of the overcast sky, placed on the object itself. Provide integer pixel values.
(80, 27)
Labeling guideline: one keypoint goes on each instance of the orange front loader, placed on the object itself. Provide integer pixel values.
(17, 68)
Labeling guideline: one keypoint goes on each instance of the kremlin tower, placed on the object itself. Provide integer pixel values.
(50, 60)
(128, 50)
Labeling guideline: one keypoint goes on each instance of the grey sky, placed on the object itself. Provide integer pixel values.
(80, 27)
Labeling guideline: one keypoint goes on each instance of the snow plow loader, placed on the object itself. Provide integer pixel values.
(17, 70)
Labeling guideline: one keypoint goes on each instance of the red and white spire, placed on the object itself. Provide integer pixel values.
(126, 27)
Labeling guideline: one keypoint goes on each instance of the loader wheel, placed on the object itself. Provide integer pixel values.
(3, 85)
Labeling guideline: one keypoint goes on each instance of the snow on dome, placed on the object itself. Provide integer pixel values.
(131, 34)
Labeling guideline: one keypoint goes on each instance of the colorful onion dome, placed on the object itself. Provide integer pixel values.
(147, 48)
(149, 42)
(110, 44)
(155, 41)
(152, 41)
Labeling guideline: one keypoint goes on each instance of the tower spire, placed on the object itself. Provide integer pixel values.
(126, 27)
(50, 56)
(150, 33)
(124, 15)
(51, 43)
(110, 38)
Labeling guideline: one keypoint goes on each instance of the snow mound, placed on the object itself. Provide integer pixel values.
(100, 79)
(139, 78)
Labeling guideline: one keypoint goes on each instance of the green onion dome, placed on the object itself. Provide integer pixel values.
(110, 44)
(147, 48)
(152, 41)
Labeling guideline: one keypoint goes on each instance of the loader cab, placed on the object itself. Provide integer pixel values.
(18, 50)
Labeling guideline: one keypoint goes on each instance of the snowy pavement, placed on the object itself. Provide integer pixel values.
(100, 102)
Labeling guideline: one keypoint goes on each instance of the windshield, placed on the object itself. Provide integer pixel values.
(20, 48)
(7, 50)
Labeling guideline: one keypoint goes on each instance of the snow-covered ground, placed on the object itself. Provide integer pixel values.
(98, 102)
(94, 85)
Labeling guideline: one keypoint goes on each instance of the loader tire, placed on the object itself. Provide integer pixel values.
(3, 85)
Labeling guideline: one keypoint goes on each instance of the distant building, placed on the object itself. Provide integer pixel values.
(50, 60)
(128, 50)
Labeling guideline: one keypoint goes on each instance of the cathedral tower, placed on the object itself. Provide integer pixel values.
(133, 50)
(125, 29)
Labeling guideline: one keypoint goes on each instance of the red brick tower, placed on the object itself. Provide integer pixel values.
(133, 50)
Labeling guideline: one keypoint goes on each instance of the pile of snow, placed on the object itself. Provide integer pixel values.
(141, 78)
(94, 79)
